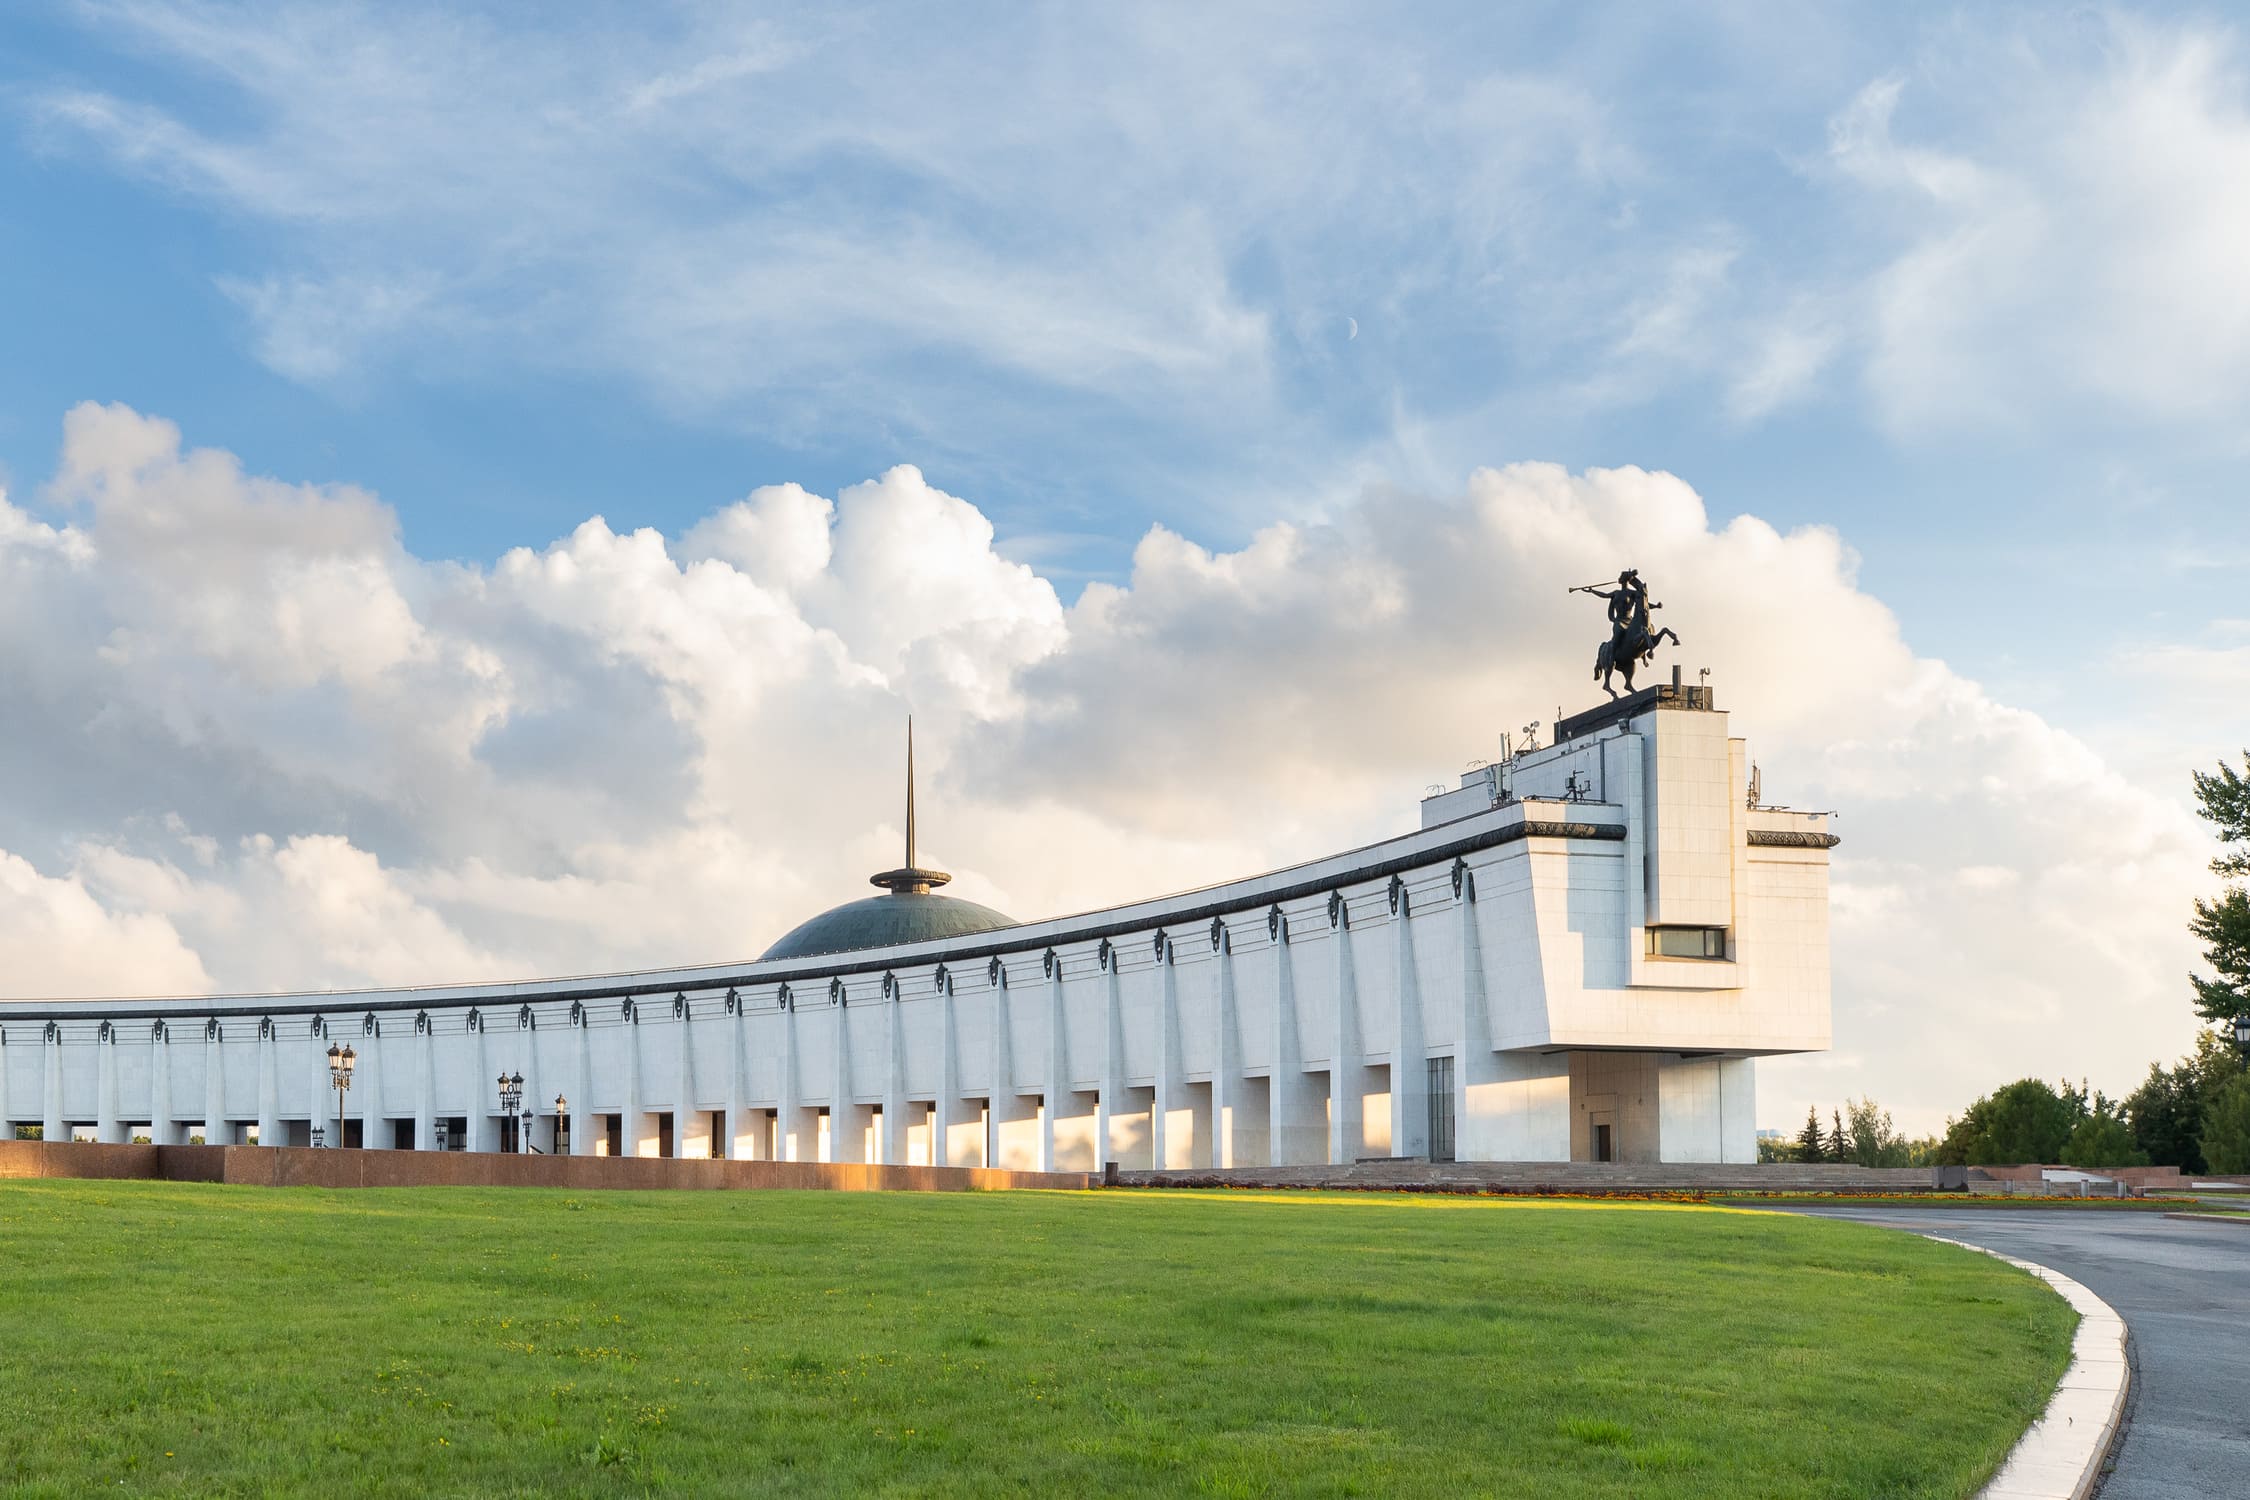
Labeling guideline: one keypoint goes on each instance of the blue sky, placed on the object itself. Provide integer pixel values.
(1097, 271)
(1962, 284)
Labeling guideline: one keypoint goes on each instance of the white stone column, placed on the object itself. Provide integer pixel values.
(1296, 1133)
(1172, 1141)
(7, 1126)
(425, 1082)
(790, 1126)
(162, 1129)
(107, 1127)
(269, 1083)
(947, 1113)
(1476, 1064)
(323, 1111)
(1058, 1061)
(585, 1134)
(1347, 1101)
(842, 1113)
(527, 1043)
(731, 1131)
(1003, 1105)
(367, 1086)
(633, 1128)
(892, 1143)
(216, 1130)
(484, 1122)
(1112, 1080)
(1228, 1129)
(52, 1126)
(1410, 1073)
(683, 1089)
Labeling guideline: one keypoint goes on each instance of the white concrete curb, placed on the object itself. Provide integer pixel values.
(2060, 1457)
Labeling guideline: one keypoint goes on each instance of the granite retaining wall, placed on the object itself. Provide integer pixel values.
(299, 1166)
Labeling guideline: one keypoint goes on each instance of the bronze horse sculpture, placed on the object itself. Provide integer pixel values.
(1631, 644)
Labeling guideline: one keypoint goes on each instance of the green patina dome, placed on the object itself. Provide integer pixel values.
(909, 914)
(880, 921)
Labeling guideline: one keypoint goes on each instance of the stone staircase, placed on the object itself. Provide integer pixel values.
(1410, 1175)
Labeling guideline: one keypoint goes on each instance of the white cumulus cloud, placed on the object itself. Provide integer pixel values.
(276, 749)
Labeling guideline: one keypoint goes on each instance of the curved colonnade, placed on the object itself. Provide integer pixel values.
(1501, 984)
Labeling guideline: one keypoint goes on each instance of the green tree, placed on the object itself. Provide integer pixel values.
(2029, 1122)
(2226, 1128)
(1927, 1151)
(1875, 1142)
(1808, 1139)
(1839, 1146)
(1965, 1137)
(2102, 1139)
(2025, 1122)
(2166, 1111)
(2223, 925)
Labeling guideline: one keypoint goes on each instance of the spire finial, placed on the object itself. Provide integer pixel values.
(911, 879)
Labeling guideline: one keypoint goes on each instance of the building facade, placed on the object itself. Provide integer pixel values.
(1576, 957)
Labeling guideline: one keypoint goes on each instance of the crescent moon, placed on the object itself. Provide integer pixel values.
(1354, 333)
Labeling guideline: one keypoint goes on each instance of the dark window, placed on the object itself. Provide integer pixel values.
(402, 1135)
(1441, 1109)
(664, 1134)
(1687, 942)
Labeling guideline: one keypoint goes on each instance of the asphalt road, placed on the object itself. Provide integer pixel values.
(2184, 1292)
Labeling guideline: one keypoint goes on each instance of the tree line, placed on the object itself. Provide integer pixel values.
(2194, 1115)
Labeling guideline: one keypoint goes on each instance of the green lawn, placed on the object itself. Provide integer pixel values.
(194, 1340)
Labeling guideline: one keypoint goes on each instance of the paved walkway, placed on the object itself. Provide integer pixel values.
(2184, 1291)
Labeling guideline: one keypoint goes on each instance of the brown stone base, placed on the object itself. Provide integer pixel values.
(299, 1166)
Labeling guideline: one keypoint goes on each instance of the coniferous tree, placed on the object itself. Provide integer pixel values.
(1808, 1139)
(1839, 1144)
(2223, 925)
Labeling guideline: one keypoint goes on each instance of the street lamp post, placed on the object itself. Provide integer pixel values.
(511, 1103)
(562, 1125)
(2242, 1033)
(340, 1063)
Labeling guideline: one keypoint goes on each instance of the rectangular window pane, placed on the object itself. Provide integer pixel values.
(1687, 942)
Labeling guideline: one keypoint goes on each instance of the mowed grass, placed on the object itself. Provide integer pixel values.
(198, 1340)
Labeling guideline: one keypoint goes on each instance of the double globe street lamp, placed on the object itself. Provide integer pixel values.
(511, 1106)
(340, 1063)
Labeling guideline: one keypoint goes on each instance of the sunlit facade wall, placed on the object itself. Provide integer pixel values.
(1578, 955)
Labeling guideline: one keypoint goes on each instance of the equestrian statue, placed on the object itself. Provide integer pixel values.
(1630, 644)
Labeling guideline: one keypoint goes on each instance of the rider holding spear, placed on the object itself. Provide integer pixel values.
(1630, 642)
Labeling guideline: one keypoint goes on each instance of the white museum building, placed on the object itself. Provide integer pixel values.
(1577, 956)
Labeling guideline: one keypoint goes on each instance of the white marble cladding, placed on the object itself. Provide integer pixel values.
(1287, 1018)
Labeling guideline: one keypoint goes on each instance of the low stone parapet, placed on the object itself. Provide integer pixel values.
(1561, 1177)
(299, 1166)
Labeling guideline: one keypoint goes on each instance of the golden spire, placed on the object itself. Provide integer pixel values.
(910, 879)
